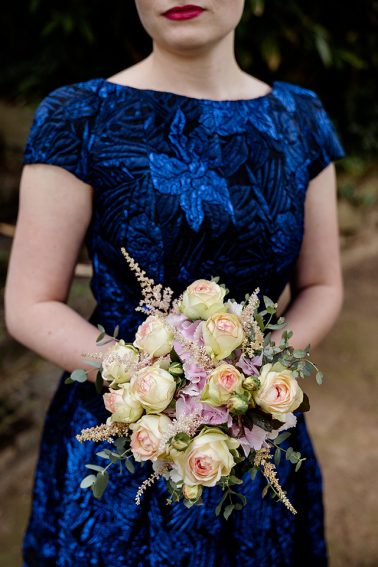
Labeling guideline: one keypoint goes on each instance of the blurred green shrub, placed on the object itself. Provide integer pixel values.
(330, 47)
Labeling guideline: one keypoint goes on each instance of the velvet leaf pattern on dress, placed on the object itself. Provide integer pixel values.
(189, 175)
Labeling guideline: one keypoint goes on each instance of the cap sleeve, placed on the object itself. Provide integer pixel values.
(321, 139)
(61, 130)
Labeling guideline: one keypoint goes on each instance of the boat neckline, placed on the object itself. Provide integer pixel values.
(121, 87)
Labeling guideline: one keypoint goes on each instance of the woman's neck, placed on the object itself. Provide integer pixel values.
(212, 73)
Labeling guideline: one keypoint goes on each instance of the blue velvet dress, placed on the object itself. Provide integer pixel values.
(192, 188)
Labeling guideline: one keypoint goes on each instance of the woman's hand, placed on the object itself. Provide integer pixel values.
(316, 289)
(54, 214)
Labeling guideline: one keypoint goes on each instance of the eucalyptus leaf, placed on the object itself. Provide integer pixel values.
(228, 510)
(101, 483)
(130, 466)
(95, 468)
(218, 509)
(277, 456)
(103, 454)
(235, 480)
(281, 437)
(88, 481)
(319, 377)
(298, 465)
(241, 497)
(268, 302)
(253, 472)
(289, 452)
(79, 375)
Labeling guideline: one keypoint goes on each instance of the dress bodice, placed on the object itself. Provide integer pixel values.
(190, 187)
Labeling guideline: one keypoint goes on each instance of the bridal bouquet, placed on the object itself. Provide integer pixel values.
(202, 392)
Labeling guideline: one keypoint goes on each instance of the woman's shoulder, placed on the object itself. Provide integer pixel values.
(72, 100)
(297, 98)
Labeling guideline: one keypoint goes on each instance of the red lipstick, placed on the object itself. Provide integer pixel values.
(186, 12)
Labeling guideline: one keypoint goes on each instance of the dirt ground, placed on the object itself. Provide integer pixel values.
(343, 422)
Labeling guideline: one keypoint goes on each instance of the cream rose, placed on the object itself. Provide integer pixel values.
(118, 362)
(222, 333)
(201, 299)
(279, 392)
(221, 384)
(146, 436)
(154, 336)
(123, 406)
(207, 458)
(153, 387)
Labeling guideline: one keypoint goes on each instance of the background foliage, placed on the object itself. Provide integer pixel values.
(330, 47)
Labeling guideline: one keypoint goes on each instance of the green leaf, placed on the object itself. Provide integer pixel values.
(101, 328)
(116, 332)
(265, 490)
(281, 437)
(101, 483)
(277, 456)
(268, 302)
(273, 327)
(228, 510)
(103, 454)
(294, 457)
(130, 466)
(120, 443)
(235, 480)
(299, 353)
(241, 497)
(289, 452)
(88, 481)
(319, 377)
(218, 509)
(95, 467)
(69, 381)
(298, 465)
(253, 472)
(99, 383)
(79, 375)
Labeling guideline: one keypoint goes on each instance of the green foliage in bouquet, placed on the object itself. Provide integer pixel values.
(203, 393)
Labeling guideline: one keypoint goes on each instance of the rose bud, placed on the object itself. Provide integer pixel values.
(238, 404)
(251, 383)
(192, 492)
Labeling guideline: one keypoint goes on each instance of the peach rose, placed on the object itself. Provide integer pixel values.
(123, 406)
(221, 384)
(279, 392)
(153, 387)
(207, 458)
(154, 336)
(146, 436)
(222, 333)
(201, 299)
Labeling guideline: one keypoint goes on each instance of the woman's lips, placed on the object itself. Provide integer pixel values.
(186, 12)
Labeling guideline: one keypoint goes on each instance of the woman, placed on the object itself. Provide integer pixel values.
(198, 169)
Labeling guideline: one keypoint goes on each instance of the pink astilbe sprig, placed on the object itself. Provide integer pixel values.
(253, 336)
(184, 424)
(156, 298)
(195, 352)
